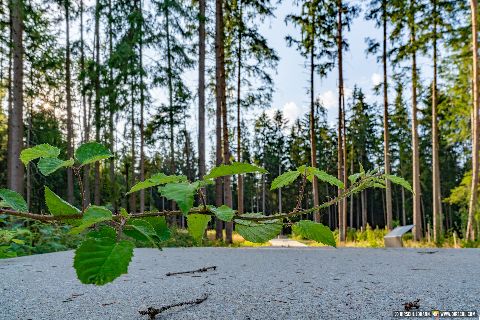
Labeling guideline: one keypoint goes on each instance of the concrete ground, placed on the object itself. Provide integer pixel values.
(248, 283)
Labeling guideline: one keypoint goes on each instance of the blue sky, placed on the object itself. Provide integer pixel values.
(292, 77)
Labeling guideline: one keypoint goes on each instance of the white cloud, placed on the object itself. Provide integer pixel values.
(376, 79)
(290, 110)
(328, 99)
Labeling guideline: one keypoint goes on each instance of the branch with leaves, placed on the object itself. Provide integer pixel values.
(107, 249)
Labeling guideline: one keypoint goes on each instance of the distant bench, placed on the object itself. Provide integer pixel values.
(394, 238)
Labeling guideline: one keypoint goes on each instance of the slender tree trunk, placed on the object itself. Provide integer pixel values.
(219, 101)
(133, 198)
(10, 94)
(112, 108)
(470, 235)
(69, 102)
(239, 132)
(201, 90)
(351, 199)
(386, 140)
(86, 116)
(96, 192)
(417, 216)
(437, 195)
(142, 111)
(221, 87)
(363, 195)
(170, 91)
(15, 171)
(313, 145)
(341, 204)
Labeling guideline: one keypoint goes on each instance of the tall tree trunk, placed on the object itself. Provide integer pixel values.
(112, 109)
(69, 102)
(16, 169)
(341, 212)
(313, 145)
(470, 234)
(86, 116)
(218, 113)
(363, 195)
(133, 198)
(417, 216)
(96, 191)
(201, 90)
(239, 129)
(437, 195)
(386, 140)
(142, 111)
(221, 96)
(170, 91)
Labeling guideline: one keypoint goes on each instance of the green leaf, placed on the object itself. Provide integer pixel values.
(39, 151)
(354, 177)
(223, 212)
(103, 232)
(93, 214)
(57, 206)
(160, 226)
(141, 230)
(13, 200)
(400, 181)
(124, 213)
(182, 193)
(101, 260)
(323, 176)
(156, 180)
(50, 165)
(284, 179)
(92, 152)
(315, 231)
(197, 223)
(18, 241)
(232, 169)
(258, 232)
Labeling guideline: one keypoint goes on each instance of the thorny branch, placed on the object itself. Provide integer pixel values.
(354, 188)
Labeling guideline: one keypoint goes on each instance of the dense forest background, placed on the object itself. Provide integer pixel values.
(116, 71)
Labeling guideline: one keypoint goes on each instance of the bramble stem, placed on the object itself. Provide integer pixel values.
(354, 188)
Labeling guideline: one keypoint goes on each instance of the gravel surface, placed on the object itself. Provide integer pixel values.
(248, 283)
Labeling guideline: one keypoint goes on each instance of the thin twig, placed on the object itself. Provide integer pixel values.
(205, 269)
(152, 312)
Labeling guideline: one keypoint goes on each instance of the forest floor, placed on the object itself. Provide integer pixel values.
(247, 283)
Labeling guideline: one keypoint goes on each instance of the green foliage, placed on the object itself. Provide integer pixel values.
(57, 206)
(159, 224)
(284, 179)
(258, 232)
(91, 152)
(223, 212)
(197, 224)
(39, 151)
(182, 193)
(315, 231)
(141, 230)
(323, 176)
(400, 181)
(101, 260)
(50, 165)
(91, 216)
(232, 169)
(156, 180)
(13, 200)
